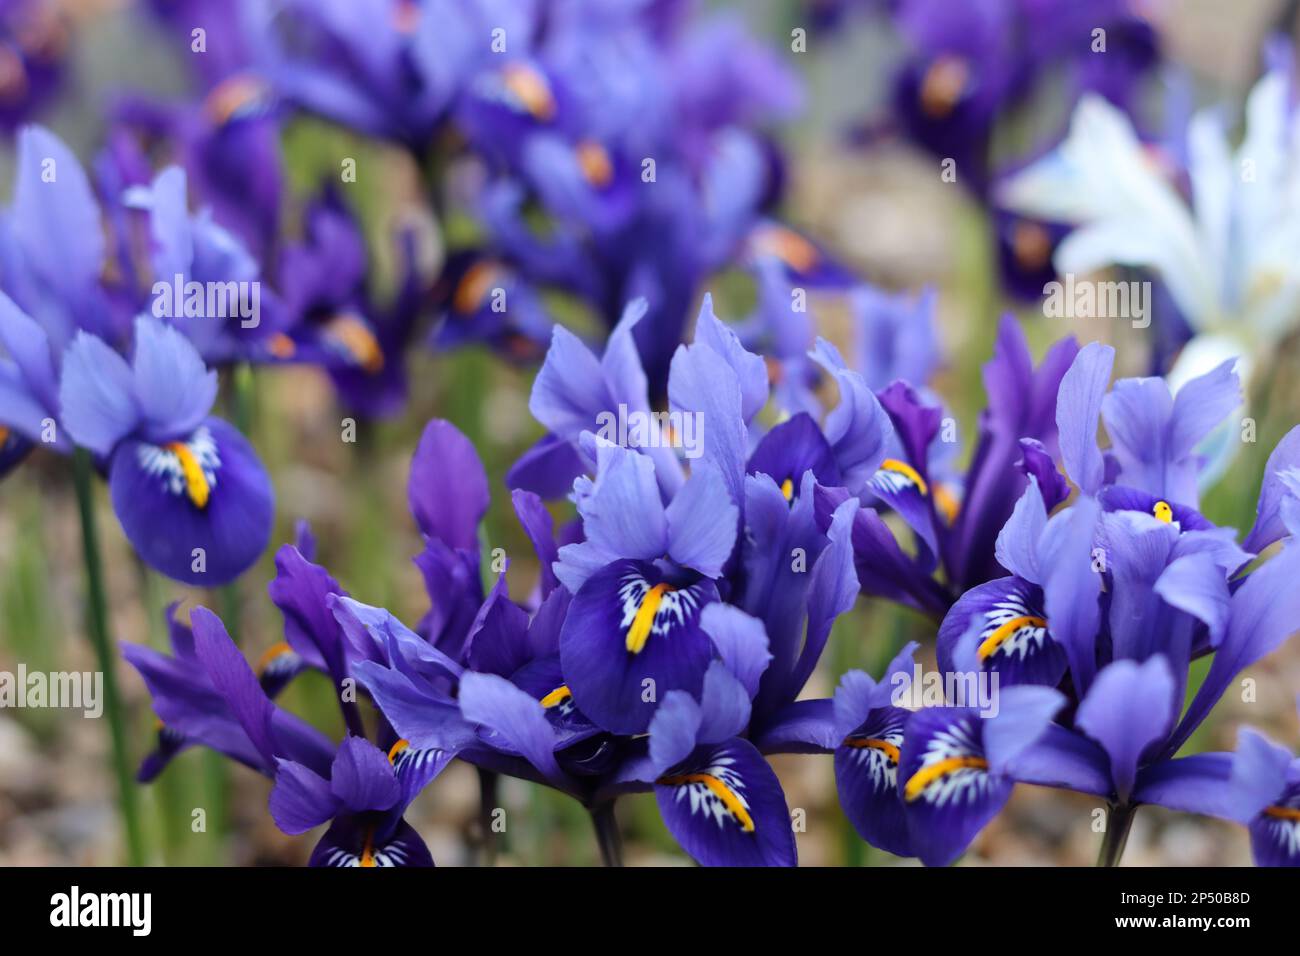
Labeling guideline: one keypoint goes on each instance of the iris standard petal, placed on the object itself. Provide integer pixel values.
(447, 488)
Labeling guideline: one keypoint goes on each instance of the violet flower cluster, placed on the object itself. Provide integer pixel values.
(669, 641)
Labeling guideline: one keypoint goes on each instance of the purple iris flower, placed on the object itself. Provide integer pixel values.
(33, 46)
(954, 518)
(206, 693)
(190, 248)
(189, 490)
(332, 319)
(53, 251)
(1112, 597)
(389, 68)
(1262, 792)
(970, 69)
(924, 783)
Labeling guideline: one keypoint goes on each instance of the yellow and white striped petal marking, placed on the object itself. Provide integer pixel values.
(1283, 825)
(878, 756)
(953, 769)
(651, 611)
(560, 700)
(186, 468)
(406, 760)
(394, 854)
(1011, 629)
(896, 476)
(717, 792)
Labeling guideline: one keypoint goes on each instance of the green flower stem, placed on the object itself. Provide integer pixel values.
(97, 622)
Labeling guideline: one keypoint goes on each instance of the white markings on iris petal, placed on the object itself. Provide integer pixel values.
(717, 792)
(651, 611)
(953, 768)
(186, 468)
(1012, 629)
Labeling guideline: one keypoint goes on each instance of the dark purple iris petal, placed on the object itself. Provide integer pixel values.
(866, 776)
(1013, 637)
(948, 793)
(726, 808)
(613, 685)
(166, 526)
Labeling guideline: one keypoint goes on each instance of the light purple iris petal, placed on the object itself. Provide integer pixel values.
(674, 730)
(1197, 585)
(97, 395)
(570, 390)
(1024, 712)
(803, 727)
(740, 640)
(56, 221)
(702, 522)
(362, 776)
(430, 721)
(173, 387)
(1072, 586)
(1017, 544)
(724, 705)
(858, 429)
(300, 799)
(1264, 613)
(374, 634)
(1200, 405)
(1078, 407)
(750, 369)
(858, 693)
(1138, 548)
(1269, 526)
(1233, 786)
(1129, 707)
(28, 347)
(20, 410)
(1065, 759)
(700, 382)
(831, 591)
(447, 488)
(537, 524)
(624, 515)
(167, 201)
(515, 718)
